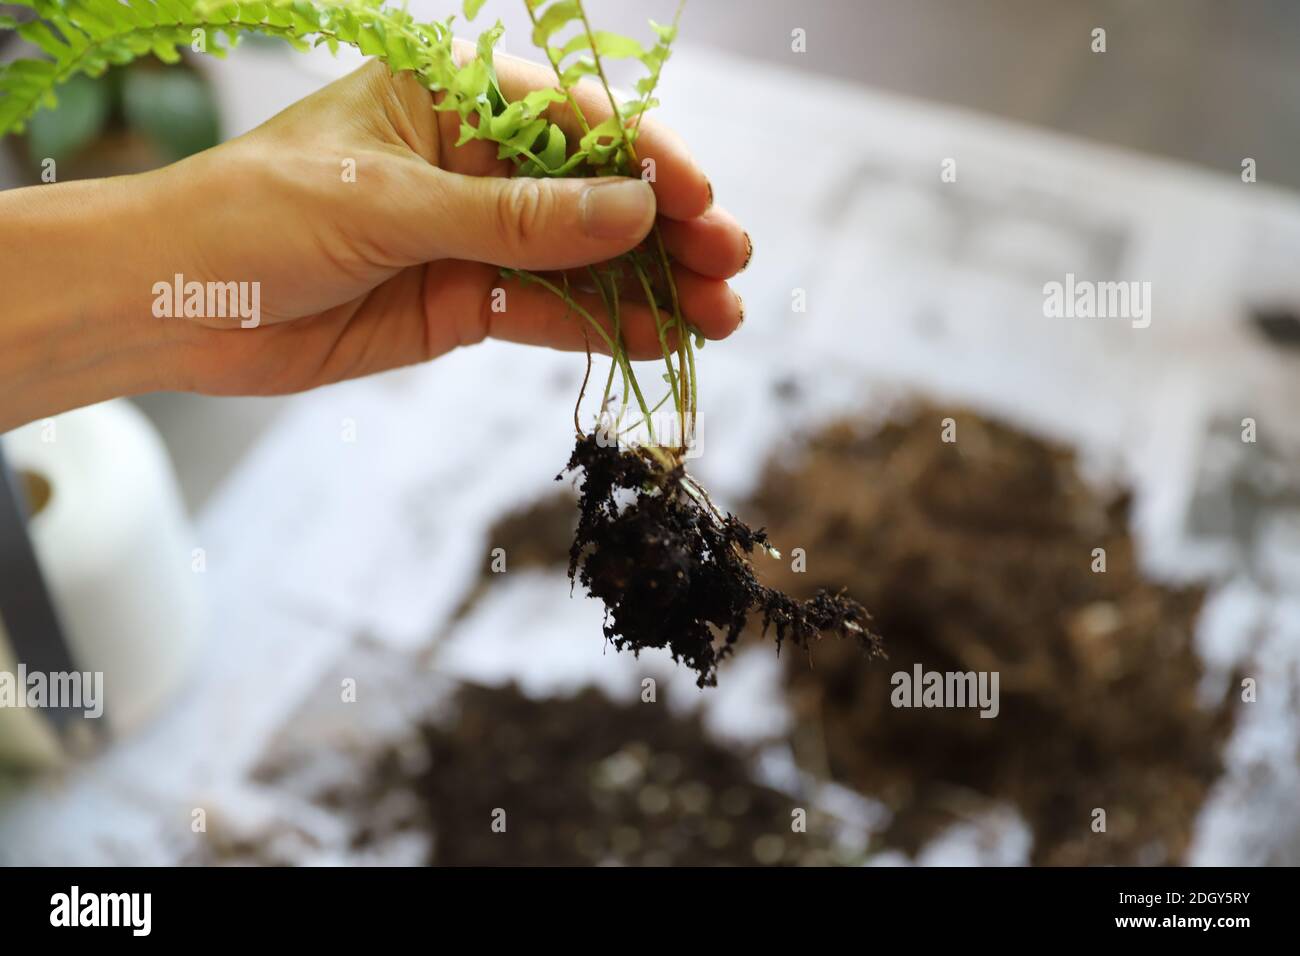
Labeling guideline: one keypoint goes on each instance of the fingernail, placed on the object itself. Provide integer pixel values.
(709, 183)
(741, 303)
(749, 252)
(618, 210)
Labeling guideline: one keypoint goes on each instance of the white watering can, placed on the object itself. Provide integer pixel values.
(113, 596)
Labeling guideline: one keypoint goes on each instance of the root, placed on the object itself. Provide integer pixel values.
(673, 571)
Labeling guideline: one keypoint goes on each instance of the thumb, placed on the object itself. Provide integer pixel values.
(527, 223)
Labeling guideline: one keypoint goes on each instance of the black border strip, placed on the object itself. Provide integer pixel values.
(325, 908)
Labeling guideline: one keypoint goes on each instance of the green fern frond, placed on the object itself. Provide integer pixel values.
(89, 36)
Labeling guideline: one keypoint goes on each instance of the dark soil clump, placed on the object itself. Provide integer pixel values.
(498, 778)
(584, 781)
(978, 556)
(672, 572)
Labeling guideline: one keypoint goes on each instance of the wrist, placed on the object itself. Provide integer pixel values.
(77, 262)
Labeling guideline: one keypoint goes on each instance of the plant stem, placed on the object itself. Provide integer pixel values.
(663, 341)
(658, 406)
(664, 262)
(559, 75)
(636, 128)
(613, 313)
(620, 355)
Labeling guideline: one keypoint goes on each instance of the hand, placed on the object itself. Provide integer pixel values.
(354, 277)
(400, 265)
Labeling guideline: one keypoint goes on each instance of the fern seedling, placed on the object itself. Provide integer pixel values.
(671, 569)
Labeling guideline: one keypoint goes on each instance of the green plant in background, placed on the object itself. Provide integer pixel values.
(172, 108)
(85, 38)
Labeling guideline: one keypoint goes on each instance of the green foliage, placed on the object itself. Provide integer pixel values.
(85, 37)
(174, 109)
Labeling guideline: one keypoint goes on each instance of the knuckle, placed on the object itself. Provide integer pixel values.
(522, 213)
